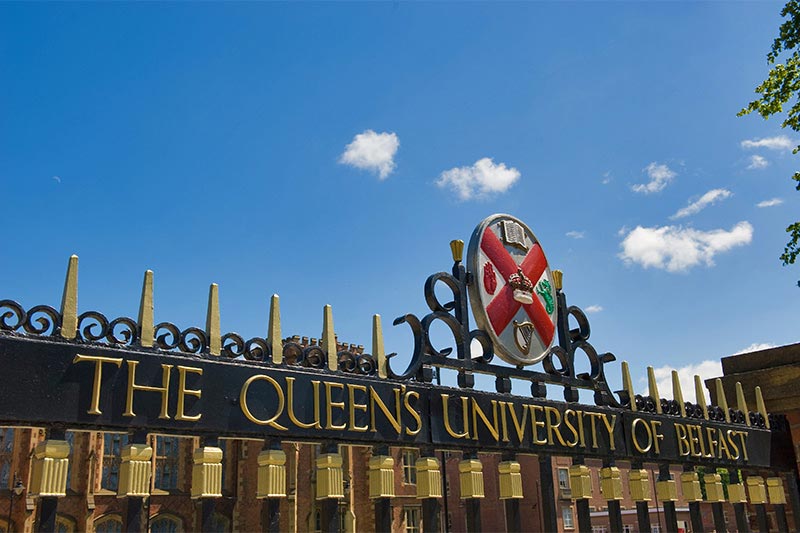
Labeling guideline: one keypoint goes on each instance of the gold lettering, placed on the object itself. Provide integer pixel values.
(316, 424)
(504, 421)
(519, 427)
(743, 435)
(94, 409)
(271, 422)
(690, 430)
(712, 442)
(330, 404)
(464, 417)
(414, 414)
(535, 425)
(730, 435)
(133, 387)
(478, 412)
(635, 436)
(610, 428)
(351, 388)
(592, 417)
(657, 436)
(553, 427)
(683, 439)
(393, 420)
(580, 428)
(183, 391)
(572, 428)
(723, 445)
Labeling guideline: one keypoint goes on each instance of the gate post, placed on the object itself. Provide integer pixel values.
(429, 490)
(509, 471)
(794, 496)
(271, 484)
(381, 487)
(330, 486)
(550, 522)
(758, 497)
(737, 497)
(49, 477)
(715, 495)
(690, 486)
(777, 497)
(611, 482)
(134, 480)
(667, 492)
(639, 483)
(470, 475)
(207, 479)
(580, 481)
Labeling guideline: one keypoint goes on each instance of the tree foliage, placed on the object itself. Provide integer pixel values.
(782, 89)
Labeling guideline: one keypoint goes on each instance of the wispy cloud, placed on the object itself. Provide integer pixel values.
(593, 308)
(373, 152)
(756, 347)
(770, 203)
(57, 179)
(757, 162)
(606, 178)
(705, 369)
(710, 198)
(677, 249)
(779, 142)
(481, 180)
(660, 176)
(576, 234)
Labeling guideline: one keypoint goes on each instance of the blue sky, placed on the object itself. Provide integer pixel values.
(209, 142)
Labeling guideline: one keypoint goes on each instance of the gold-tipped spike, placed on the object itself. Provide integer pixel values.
(274, 335)
(700, 395)
(457, 247)
(677, 394)
(212, 321)
(329, 339)
(377, 346)
(69, 301)
(653, 386)
(721, 400)
(146, 327)
(628, 385)
(760, 405)
(558, 279)
(741, 404)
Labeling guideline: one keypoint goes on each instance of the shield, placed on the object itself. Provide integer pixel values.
(516, 305)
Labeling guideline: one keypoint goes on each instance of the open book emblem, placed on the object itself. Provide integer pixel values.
(523, 332)
(514, 234)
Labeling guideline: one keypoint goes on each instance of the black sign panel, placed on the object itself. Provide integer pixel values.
(91, 387)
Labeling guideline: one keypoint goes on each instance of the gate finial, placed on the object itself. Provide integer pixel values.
(329, 338)
(146, 327)
(761, 407)
(677, 394)
(274, 334)
(700, 395)
(378, 351)
(741, 403)
(628, 385)
(212, 321)
(651, 381)
(69, 301)
(721, 400)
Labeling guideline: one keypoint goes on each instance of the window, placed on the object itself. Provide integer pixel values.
(69, 436)
(599, 529)
(109, 523)
(165, 524)
(563, 478)
(167, 464)
(220, 523)
(112, 449)
(411, 519)
(64, 524)
(566, 516)
(6, 456)
(410, 467)
(627, 528)
(655, 529)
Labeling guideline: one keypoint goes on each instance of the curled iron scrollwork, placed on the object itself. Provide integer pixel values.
(38, 320)
(94, 327)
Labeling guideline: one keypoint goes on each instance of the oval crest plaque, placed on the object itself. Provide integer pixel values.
(512, 292)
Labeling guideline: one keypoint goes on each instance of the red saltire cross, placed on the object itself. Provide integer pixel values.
(504, 307)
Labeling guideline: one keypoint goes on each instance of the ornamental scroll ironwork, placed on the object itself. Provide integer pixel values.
(558, 363)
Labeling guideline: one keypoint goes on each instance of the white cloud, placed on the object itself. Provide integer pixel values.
(480, 180)
(623, 230)
(593, 308)
(373, 152)
(757, 162)
(57, 179)
(576, 234)
(705, 369)
(660, 176)
(606, 178)
(710, 198)
(770, 203)
(677, 249)
(755, 347)
(780, 142)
